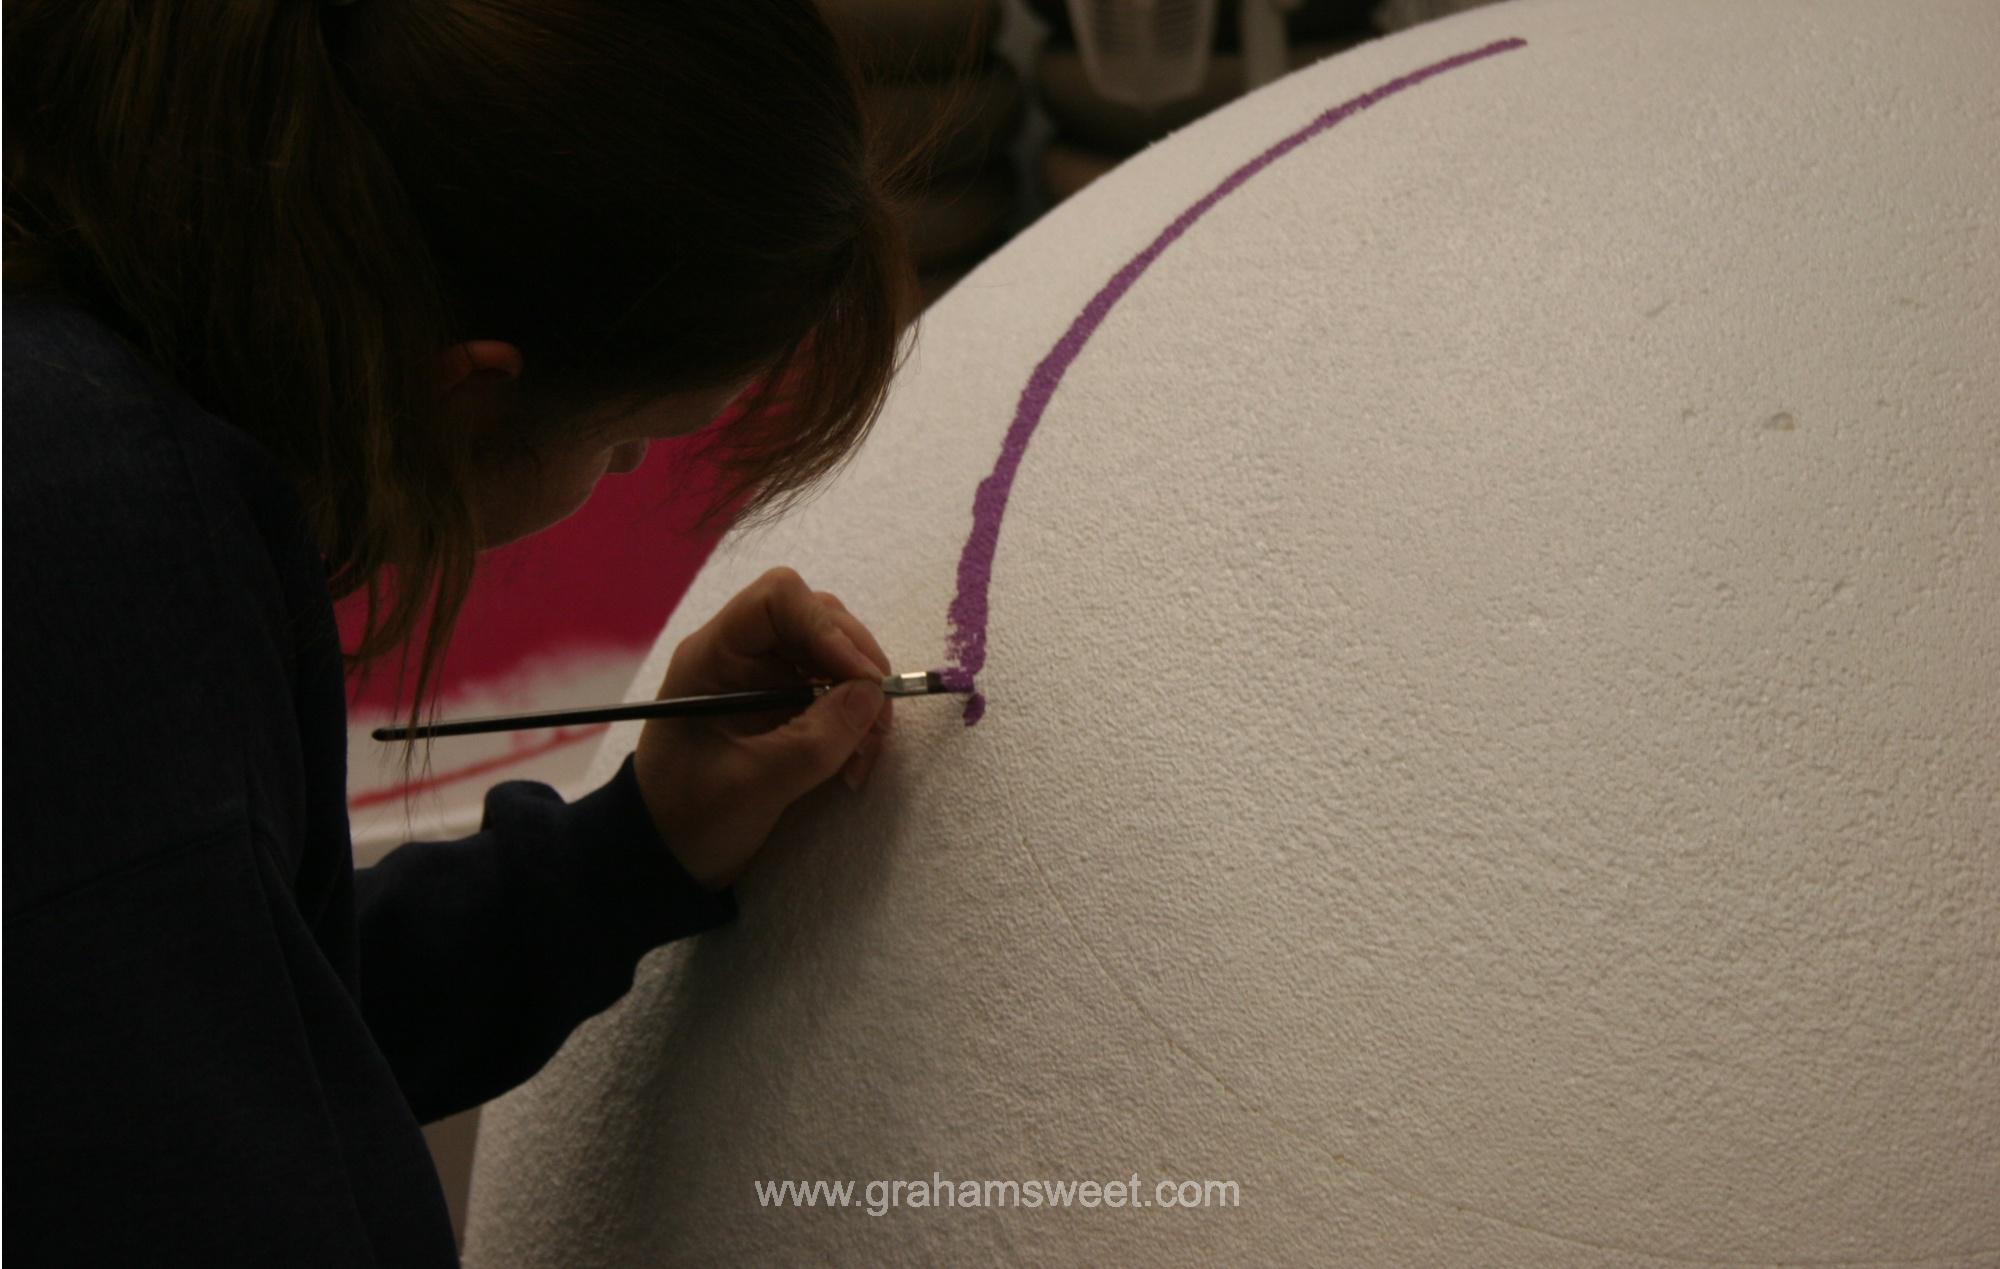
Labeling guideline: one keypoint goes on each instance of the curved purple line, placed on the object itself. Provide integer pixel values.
(967, 644)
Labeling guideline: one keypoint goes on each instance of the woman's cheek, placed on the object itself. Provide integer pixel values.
(580, 493)
(627, 457)
(560, 501)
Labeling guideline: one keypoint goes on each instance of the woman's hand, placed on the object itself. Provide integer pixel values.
(716, 785)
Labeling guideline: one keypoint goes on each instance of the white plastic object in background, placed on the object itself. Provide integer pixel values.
(1145, 52)
(1262, 23)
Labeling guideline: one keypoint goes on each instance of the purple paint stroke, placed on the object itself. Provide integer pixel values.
(967, 644)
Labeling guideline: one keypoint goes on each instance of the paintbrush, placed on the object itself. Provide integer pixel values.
(915, 683)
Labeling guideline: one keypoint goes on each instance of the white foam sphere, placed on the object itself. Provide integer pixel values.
(1493, 694)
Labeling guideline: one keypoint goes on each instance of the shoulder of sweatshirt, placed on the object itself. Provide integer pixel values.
(154, 559)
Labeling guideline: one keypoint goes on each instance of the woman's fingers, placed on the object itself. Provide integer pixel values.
(857, 632)
(777, 618)
(778, 629)
(866, 642)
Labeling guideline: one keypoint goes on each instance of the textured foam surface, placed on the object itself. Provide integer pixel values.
(1491, 674)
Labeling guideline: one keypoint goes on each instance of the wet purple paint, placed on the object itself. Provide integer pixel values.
(967, 643)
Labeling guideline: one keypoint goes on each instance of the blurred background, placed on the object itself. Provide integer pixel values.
(566, 617)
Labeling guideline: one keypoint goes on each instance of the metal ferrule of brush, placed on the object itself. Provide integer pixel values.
(914, 683)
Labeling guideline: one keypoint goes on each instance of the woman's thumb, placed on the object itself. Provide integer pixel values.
(816, 744)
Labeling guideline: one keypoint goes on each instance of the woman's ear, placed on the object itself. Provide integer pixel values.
(473, 382)
(477, 358)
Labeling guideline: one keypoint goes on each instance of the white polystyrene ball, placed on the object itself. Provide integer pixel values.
(1491, 682)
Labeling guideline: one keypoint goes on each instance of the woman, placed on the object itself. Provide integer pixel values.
(306, 300)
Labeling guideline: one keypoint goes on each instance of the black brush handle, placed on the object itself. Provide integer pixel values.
(794, 698)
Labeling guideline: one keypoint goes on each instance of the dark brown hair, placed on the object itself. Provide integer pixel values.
(291, 209)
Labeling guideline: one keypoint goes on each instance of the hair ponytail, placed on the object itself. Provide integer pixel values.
(195, 176)
(292, 210)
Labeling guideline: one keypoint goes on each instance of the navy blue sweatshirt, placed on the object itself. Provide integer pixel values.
(220, 1036)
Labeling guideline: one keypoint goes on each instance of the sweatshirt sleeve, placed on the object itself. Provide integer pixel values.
(479, 957)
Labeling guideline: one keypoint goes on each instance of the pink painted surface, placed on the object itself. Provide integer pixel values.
(966, 645)
(602, 582)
